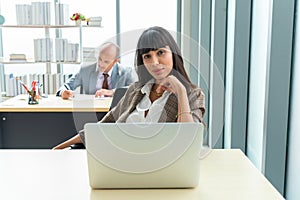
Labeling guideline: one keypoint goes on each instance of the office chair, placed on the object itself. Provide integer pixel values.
(119, 93)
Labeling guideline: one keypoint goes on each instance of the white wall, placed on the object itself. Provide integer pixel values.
(293, 173)
(229, 72)
(257, 81)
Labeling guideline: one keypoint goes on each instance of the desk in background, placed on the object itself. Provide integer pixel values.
(48, 123)
(63, 174)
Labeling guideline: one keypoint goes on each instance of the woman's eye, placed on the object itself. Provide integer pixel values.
(146, 56)
(160, 52)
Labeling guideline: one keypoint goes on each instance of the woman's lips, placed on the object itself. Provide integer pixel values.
(158, 71)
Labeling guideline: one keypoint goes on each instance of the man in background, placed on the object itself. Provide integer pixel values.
(100, 78)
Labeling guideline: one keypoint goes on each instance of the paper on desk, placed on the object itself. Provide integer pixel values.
(102, 98)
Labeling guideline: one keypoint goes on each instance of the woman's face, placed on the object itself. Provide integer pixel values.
(159, 63)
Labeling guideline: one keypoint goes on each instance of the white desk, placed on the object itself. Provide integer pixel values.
(46, 174)
(80, 103)
(48, 123)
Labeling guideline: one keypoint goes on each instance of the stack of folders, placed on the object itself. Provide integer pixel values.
(23, 14)
(36, 13)
(17, 57)
(89, 55)
(94, 21)
(66, 51)
(62, 14)
(43, 49)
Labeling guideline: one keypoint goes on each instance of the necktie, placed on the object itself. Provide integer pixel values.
(105, 81)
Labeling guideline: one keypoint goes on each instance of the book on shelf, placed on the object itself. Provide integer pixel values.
(72, 52)
(62, 14)
(43, 48)
(50, 83)
(41, 13)
(9, 85)
(41, 82)
(23, 14)
(36, 13)
(66, 51)
(60, 46)
(46, 83)
(89, 55)
(17, 56)
(98, 24)
(94, 21)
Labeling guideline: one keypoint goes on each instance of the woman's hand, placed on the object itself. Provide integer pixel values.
(73, 140)
(171, 84)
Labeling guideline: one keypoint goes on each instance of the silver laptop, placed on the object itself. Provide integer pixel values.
(143, 155)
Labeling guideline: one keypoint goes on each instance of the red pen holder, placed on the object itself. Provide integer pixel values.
(33, 94)
(33, 98)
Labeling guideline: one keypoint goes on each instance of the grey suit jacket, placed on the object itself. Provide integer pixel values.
(134, 95)
(86, 78)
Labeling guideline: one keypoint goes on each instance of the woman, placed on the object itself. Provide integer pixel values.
(163, 93)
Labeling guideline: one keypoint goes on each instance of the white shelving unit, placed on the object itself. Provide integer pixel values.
(26, 36)
(48, 64)
(47, 28)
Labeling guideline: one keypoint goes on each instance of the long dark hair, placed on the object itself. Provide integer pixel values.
(152, 39)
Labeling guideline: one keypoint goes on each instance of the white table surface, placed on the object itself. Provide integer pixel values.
(80, 103)
(63, 174)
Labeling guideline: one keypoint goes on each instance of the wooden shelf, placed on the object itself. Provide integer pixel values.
(31, 61)
(46, 26)
(39, 26)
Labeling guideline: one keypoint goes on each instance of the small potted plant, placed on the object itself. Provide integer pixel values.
(78, 17)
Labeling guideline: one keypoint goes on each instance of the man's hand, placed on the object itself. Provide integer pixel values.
(104, 92)
(66, 94)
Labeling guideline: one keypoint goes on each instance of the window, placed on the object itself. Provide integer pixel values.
(136, 15)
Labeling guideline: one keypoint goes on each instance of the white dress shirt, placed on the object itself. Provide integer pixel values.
(154, 109)
(101, 78)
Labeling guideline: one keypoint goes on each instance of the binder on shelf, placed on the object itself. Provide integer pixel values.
(18, 86)
(60, 49)
(23, 14)
(89, 55)
(72, 52)
(65, 51)
(50, 83)
(41, 82)
(9, 85)
(94, 21)
(62, 14)
(37, 50)
(46, 80)
(41, 14)
(43, 50)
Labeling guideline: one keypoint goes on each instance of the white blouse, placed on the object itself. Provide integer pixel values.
(155, 109)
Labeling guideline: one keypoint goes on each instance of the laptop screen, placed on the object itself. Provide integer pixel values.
(152, 155)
